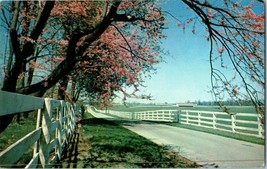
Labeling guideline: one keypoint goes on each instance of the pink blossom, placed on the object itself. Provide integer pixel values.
(220, 50)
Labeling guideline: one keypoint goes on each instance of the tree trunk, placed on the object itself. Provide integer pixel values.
(75, 91)
(11, 77)
(63, 69)
(62, 88)
(30, 75)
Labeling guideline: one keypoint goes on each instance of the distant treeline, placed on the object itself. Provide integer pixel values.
(199, 103)
(226, 103)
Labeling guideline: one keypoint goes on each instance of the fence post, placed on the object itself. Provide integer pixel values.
(233, 118)
(187, 114)
(214, 120)
(175, 116)
(178, 113)
(132, 115)
(38, 124)
(198, 118)
(260, 126)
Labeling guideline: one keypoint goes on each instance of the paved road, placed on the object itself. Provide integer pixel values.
(205, 149)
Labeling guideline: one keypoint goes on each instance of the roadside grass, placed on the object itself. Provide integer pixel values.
(105, 144)
(250, 139)
(12, 134)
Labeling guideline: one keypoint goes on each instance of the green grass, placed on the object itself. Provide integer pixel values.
(104, 144)
(12, 134)
(250, 139)
(234, 109)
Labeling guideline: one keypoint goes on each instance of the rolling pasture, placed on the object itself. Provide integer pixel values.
(137, 108)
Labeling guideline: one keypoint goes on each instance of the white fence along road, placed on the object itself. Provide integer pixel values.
(203, 148)
(240, 123)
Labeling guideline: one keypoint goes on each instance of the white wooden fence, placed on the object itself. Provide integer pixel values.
(56, 122)
(158, 115)
(241, 123)
(127, 115)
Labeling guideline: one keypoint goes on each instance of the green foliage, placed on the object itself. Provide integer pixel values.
(16, 131)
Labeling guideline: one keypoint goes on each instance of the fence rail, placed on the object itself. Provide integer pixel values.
(158, 115)
(241, 123)
(56, 122)
(249, 125)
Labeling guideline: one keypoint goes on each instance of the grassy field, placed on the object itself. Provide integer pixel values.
(104, 144)
(133, 108)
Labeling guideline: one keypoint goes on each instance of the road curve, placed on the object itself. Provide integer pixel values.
(206, 149)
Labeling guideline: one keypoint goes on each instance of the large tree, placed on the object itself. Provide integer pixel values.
(57, 37)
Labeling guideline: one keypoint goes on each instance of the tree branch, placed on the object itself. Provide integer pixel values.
(67, 65)
(5, 18)
(41, 21)
(37, 30)
(105, 23)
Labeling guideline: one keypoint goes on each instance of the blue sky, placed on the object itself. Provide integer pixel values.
(185, 74)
